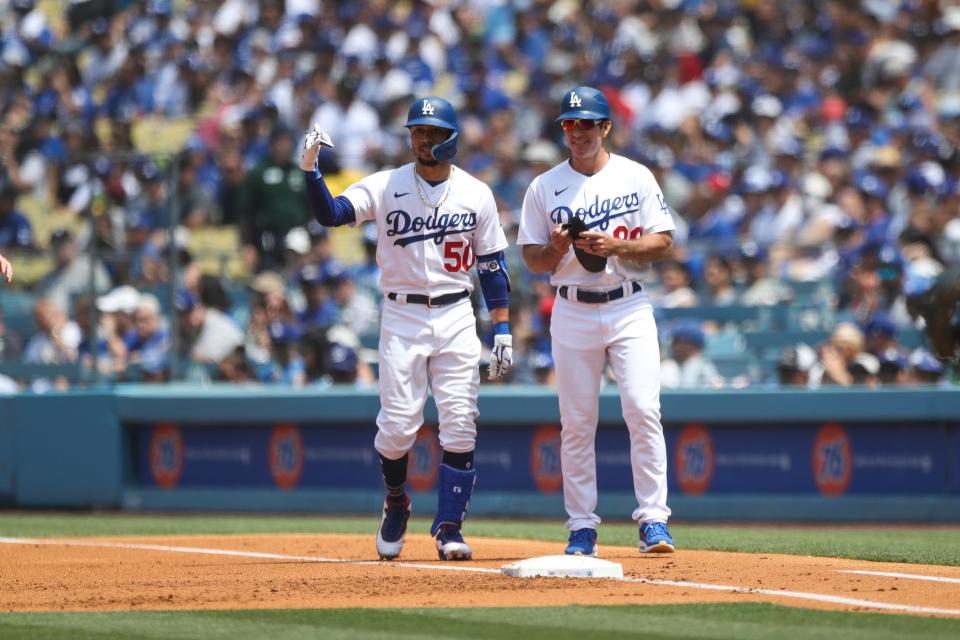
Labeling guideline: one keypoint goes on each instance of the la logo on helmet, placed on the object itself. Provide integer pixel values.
(427, 108)
(575, 100)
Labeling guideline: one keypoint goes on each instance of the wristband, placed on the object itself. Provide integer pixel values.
(501, 328)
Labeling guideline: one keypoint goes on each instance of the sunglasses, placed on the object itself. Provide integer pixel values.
(579, 123)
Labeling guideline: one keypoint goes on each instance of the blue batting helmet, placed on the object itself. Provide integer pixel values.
(436, 112)
(584, 102)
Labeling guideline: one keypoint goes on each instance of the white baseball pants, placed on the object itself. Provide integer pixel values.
(420, 347)
(583, 336)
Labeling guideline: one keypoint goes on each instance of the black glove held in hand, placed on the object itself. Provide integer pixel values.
(590, 262)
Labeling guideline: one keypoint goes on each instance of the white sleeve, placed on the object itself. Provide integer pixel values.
(489, 237)
(654, 213)
(535, 226)
(367, 194)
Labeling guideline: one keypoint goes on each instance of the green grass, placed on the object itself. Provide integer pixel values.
(900, 544)
(714, 621)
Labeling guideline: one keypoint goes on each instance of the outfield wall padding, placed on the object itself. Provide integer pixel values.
(844, 454)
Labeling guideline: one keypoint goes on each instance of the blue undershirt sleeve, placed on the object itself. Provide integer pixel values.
(329, 211)
(494, 280)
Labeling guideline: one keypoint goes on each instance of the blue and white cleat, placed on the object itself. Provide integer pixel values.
(655, 538)
(450, 544)
(393, 527)
(583, 542)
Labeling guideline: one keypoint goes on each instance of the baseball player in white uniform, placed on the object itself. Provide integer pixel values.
(594, 222)
(434, 222)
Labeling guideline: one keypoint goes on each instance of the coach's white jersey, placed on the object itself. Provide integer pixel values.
(622, 199)
(422, 249)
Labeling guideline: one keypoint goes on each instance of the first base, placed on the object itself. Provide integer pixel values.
(563, 567)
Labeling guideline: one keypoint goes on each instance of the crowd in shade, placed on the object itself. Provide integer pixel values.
(809, 152)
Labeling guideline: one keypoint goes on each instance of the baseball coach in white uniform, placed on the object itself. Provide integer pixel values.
(594, 222)
(434, 222)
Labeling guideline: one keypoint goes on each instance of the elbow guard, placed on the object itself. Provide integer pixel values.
(494, 280)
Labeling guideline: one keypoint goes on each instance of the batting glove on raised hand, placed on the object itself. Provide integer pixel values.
(501, 357)
(314, 139)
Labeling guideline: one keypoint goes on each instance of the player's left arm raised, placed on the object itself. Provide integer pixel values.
(329, 211)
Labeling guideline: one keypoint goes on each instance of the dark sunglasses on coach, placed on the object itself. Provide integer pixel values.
(579, 123)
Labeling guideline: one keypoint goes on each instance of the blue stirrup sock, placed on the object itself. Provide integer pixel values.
(455, 489)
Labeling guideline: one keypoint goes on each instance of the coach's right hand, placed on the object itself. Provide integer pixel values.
(314, 139)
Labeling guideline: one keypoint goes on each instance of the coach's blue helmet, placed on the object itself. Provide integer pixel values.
(436, 112)
(584, 102)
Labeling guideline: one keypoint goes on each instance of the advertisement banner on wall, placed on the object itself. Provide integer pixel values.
(830, 459)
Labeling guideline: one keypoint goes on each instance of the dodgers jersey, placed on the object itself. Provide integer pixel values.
(622, 199)
(422, 249)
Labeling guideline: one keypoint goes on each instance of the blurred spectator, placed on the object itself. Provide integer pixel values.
(148, 342)
(795, 364)
(116, 322)
(356, 123)
(880, 335)
(152, 207)
(94, 345)
(892, 368)
(839, 354)
(71, 181)
(287, 366)
(688, 368)
(230, 192)
(212, 293)
(864, 369)
(273, 202)
(72, 273)
(346, 367)
(208, 335)
(15, 229)
(297, 248)
(718, 276)
(356, 309)
(320, 311)
(676, 286)
(343, 364)
(235, 368)
(57, 337)
(925, 368)
(366, 274)
(316, 351)
(760, 288)
(543, 370)
(195, 206)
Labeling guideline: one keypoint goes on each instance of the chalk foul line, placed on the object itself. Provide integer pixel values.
(907, 576)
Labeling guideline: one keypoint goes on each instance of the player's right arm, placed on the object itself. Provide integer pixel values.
(329, 211)
(542, 246)
(543, 258)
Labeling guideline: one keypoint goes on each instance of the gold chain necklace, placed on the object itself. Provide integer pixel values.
(423, 195)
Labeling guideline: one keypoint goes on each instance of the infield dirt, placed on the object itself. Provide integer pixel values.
(78, 575)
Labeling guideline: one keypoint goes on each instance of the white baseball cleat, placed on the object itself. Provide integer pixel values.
(450, 544)
(393, 527)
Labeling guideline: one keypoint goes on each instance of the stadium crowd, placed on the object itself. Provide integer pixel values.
(809, 151)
